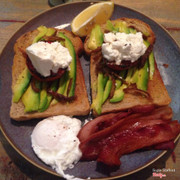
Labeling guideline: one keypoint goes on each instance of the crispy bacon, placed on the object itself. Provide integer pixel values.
(100, 123)
(164, 145)
(143, 108)
(128, 141)
(129, 132)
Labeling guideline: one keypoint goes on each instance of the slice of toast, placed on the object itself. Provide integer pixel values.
(156, 88)
(78, 107)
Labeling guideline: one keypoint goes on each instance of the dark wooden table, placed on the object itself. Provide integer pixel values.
(14, 13)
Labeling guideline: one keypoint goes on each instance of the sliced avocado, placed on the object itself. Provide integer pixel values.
(21, 85)
(42, 32)
(107, 90)
(147, 43)
(72, 71)
(118, 94)
(122, 74)
(53, 87)
(134, 77)
(31, 98)
(110, 27)
(122, 26)
(50, 32)
(66, 85)
(62, 86)
(96, 38)
(105, 80)
(133, 31)
(151, 65)
(97, 102)
(129, 75)
(143, 76)
(118, 83)
(146, 33)
(43, 97)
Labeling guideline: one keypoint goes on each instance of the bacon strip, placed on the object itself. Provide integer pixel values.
(100, 123)
(128, 141)
(129, 132)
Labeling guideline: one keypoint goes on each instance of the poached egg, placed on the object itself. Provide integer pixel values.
(54, 140)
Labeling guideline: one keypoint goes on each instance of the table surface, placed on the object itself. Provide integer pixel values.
(14, 13)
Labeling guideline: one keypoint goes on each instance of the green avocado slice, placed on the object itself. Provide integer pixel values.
(134, 77)
(31, 99)
(107, 90)
(50, 32)
(122, 26)
(42, 32)
(110, 27)
(96, 38)
(61, 87)
(43, 97)
(151, 65)
(72, 71)
(143, 76)
(119, 93)
(21, 85)
(97, 102)
(53, 87)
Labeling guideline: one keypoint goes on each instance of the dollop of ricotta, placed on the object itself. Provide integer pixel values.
(121, 46)
(47, 57)
(55, 142)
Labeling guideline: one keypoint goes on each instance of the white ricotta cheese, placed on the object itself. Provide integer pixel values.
(55, 142)
(47, 57)
(122, 46)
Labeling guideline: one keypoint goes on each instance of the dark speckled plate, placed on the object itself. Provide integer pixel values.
(18, 133)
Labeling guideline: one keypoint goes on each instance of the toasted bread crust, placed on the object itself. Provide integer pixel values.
(135, 23)
(80, 106)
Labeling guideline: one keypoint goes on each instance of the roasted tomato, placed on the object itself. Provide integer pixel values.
(37, 76)
(127, 64)
(123, 66)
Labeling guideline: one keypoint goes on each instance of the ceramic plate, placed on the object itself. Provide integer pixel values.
(18, 133)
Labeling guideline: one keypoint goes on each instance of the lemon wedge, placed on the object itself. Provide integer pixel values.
(97, 13)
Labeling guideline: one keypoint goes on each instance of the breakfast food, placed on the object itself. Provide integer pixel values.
(125, 86)
(55, 142)
(108, 137)
(47, 78)
(98, 13)
(123, 70)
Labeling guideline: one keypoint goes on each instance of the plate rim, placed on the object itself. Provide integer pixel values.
(51, 171)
